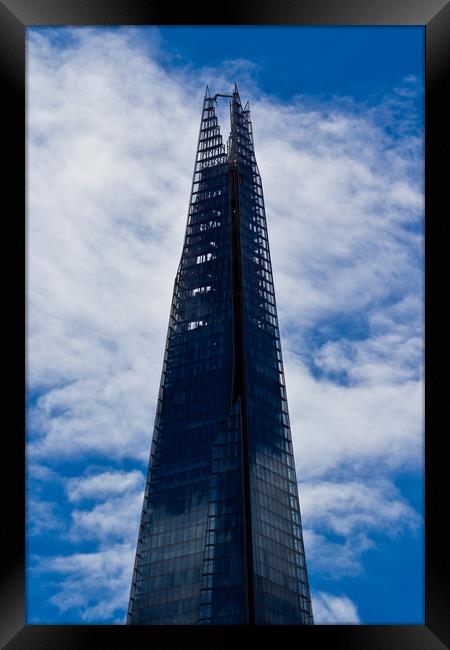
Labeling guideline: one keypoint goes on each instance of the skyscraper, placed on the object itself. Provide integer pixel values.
(220, 538)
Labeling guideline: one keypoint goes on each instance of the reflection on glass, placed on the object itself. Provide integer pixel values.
(220, 539)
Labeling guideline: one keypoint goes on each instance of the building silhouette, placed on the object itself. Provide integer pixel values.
(220, 537)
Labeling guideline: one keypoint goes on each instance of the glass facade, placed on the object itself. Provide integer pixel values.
(220, 537)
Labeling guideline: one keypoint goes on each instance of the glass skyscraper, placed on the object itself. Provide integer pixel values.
(220, 537)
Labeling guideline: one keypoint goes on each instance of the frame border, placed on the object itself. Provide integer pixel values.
(434, 15)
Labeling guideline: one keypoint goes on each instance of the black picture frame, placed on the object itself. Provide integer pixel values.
(434, 15)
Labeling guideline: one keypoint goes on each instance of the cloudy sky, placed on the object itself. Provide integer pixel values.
(113, 117)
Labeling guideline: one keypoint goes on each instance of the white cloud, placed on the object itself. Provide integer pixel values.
(109, 174)
(94, 586)
(391, 358)
(114, 516)
(101, 579)
(336, 559)
(43, 516)
(345, 519)
(41, 472)
(346, 507)
(104, 484)
(368, 428)
(339, 200)
(334, 609)
(117, 519)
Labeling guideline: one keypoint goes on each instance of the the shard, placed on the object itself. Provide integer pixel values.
(220, 537)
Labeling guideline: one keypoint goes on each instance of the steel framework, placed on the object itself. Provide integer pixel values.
(220, 538)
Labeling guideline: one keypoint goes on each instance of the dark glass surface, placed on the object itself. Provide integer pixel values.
(281, 592)
(220, 538)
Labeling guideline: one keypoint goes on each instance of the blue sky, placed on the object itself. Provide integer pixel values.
(322, 61)
(112, 118)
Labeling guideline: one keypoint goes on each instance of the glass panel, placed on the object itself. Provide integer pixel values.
(220, 539)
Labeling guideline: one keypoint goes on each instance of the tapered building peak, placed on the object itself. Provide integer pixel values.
(210, 148)
(240, 141)
(220, 538)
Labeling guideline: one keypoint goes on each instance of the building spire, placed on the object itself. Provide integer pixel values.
(240, 143)
(221, 414)
(235, 109)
